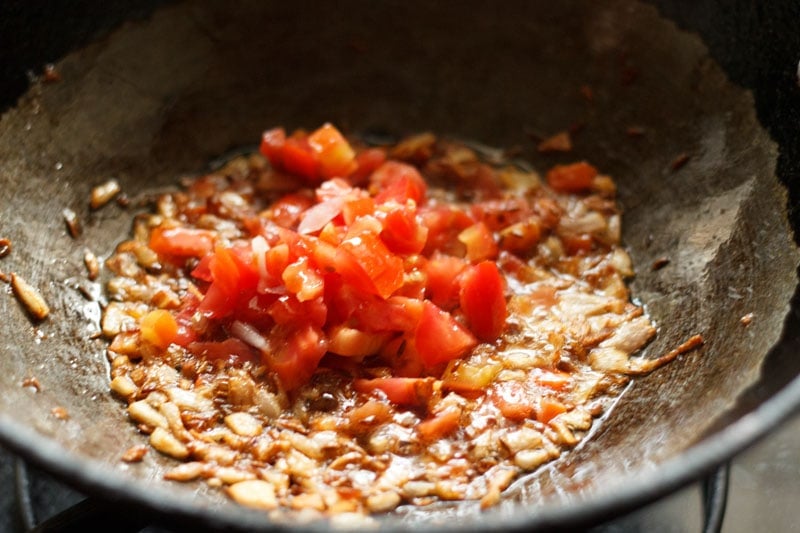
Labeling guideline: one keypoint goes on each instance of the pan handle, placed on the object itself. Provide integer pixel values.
(715, 499)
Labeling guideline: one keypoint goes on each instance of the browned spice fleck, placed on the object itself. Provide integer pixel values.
(5, 247)
(587, 93)
(50, 74)
(134, 454)
(747, 319)
(634, 131)
(59, 412)
(123, 200)
(32, 382)
(30, 297)
(679, 161)
(73, 222)
(660, 263)
(92, 265)
(560, 142)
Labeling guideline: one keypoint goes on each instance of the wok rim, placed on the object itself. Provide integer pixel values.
(99, 480)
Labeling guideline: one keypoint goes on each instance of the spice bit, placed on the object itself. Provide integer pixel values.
(660, 263)
(747, 319)
(560, 142)
(634, 131)
(30, 297)
(50, 74)
(59, 412)
(134, 454)
(73, 222)
(587, 93)
(92, 264)
(33, 383)
(679, 161)
(102, 194)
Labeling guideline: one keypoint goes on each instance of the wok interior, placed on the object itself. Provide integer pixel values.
(159, 99)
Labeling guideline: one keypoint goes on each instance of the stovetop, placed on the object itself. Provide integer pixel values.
(763, 494)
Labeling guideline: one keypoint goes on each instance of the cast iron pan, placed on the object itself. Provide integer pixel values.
(163, 95)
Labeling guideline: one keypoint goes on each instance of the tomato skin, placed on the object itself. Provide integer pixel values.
(574, 178)
(181, 242)
(548, 408)
(483, 300)
(400, 391)
(271, 147)
(402, 232)
(440, 425)
(399, 182)
(439, 338)
(334, 154)
(441, 286)
(297, 157)
(295, 356)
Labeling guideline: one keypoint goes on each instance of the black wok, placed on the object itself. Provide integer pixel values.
(167, 92)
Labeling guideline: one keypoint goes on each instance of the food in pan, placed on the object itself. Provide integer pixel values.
(339, 327)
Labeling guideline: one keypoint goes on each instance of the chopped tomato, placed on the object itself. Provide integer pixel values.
(233, 278)
(159, 328)
(367, 161)
(499, 214)
(551, 379)
(299, 158)
(402, 231)
(513, 401)
(396, 313)
(479, 242)
(573, 178)
(383, 268)
(271, 147)
(231, 349)
(357, 207)
(440, 425)
(334, 153)
(442, 280)
(548, 408)
(399, 182)
(181, 242)
(303, 280)
(444, 223)
(295, 357)
(401, 391)
(288, 310)
(483, 300)
(288, 211)
(439, 338)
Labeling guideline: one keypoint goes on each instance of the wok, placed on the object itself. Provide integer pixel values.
(163, 94)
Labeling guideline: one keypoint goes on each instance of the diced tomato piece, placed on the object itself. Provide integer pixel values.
(271, 147)
(400, 391)
(287, 211)
(181, 242)
(367, 161)
(303, 280)
(332, 234)
(298, 158)
(402, 231)
(399, 182)
(277, 259)
(513, 401)
(383, 268)
(296, 357)
(499, 214)
(548, 408)
(231, 349)
(288, 310)
(159, 328)
(577, 244)
(551, 379)
(573, 178)
(234, 278)
(444, 223)
(202, 270)
(442, 280)
(351, 342)
(357, 207)
(396, 313)
(439, 338)
(335, 155)
(440, 425)
(483, 300)
(479, 241)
